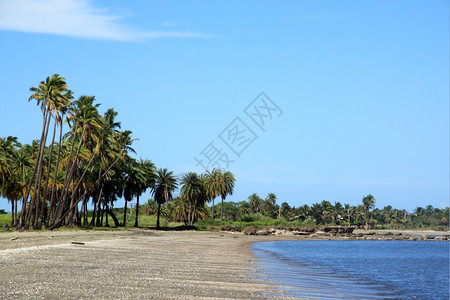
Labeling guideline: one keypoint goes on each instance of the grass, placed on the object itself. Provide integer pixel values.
(5, 218)
(144, 221)
(257, 221)
(246, 223)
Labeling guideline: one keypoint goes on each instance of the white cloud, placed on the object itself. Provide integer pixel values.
(75, 18)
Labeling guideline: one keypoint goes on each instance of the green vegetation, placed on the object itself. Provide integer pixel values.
(87, 160)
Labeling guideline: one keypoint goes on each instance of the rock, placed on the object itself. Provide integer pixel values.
(250, 230)
(301, 233)
(339, 230)
(5, 227)
(263, 232)
(386, 233)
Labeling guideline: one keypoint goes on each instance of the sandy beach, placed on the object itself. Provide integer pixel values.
(132, 264)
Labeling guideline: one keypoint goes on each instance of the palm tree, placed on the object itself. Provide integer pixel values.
(180, 209)
(166, 183)
(255, 202)
(211, 185)
(303, 211)
(226, 186)
(7, 148)
(269, 205)
(140, 176)
(244, 208)
(337, 212)
(63, 107)
(368, 203)
(149, 171)
(85, 132)
(8, 172)
(48, 94)
(191, 189)
(284, 210)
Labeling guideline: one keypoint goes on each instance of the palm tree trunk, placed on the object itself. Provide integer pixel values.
(38, 213)
(75, 189)
(25, 200)
(137, 211)
(12, 213)
(106, 214)
(97, 203)
(113, 216)
(189, 213)
(221, 211)
(212, 209)
(83, 211)
(157, 218)
(48, 174)
(193, 213)
(64, 197)
(15, 212)
(55, 176)
(68, 173)
(125, 214)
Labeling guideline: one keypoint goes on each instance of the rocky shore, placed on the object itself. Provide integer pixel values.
(349, 233)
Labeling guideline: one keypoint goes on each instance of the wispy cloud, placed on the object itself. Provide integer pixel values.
(75, 18)
(169, 23)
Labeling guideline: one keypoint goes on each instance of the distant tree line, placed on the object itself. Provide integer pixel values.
(365, 215)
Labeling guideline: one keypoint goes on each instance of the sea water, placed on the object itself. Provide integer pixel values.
(356, 269)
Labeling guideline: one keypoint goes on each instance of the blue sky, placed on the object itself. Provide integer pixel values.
(362, 88)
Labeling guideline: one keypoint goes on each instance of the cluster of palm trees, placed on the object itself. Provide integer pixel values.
(364, 215)
(197, 189)
(88, 160)
(52, 181)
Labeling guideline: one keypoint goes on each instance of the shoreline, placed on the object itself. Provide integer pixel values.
(135, 263)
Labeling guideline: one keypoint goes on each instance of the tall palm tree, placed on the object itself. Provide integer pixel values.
(191, 189)
(368, 203)
(226, 187)
(211, 186)
(149, 182)
(139, 177)
(132, 180)
(87, 124)
(166, 183)
(48, 94)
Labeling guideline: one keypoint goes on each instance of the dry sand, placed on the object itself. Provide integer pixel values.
(139, 264)
(134, 264)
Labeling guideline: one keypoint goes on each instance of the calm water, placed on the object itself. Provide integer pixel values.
(357, 269)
